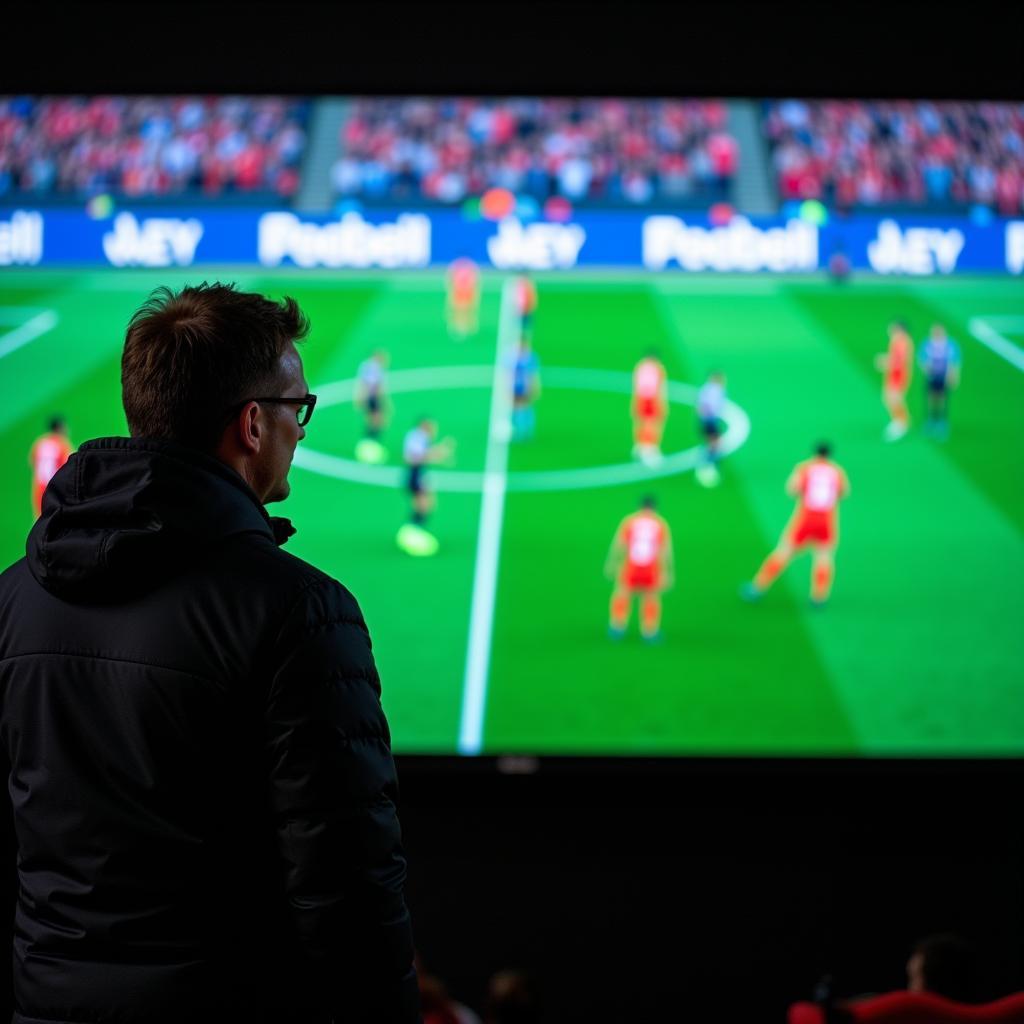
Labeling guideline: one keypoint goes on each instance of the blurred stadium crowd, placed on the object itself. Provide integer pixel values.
(857, 153)
(151, 146)
(847, 153)
(632, 151)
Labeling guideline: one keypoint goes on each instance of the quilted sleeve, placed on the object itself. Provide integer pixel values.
(333, 792)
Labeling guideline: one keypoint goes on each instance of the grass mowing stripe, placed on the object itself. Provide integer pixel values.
(417, 610)
(986, 410)
(90, 331)
(72, 370)
(723, 681)
(757, 352)
(92, 405)
(922, 636)
(485, 573)
(335, 317)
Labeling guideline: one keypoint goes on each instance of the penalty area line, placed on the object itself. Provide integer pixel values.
(28, 331)
(488, 546)
(982, 329)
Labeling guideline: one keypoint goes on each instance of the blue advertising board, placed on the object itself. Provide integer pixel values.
(407, 238)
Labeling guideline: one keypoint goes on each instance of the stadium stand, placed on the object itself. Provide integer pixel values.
(151, 146)
(616, 151)
(855, 153)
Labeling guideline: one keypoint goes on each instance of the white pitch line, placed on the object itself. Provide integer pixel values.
(488, 545)
(481, 376)
(28, 331)
(982, 329)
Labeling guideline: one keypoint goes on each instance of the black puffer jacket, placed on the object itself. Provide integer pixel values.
(201, 780)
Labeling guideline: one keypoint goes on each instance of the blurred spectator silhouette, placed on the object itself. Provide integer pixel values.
(436, 1005)
(511, 999)
(944, 965)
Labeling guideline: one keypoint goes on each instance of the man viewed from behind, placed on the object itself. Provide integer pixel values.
(200, 769)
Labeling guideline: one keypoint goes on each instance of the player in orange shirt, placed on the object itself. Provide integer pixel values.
(526, 303)
(896, 365)
(818, 484)
(48, 454)
(649, 408)
(463, 303)
(641, 563)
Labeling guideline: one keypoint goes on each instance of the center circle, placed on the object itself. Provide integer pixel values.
(737, 430)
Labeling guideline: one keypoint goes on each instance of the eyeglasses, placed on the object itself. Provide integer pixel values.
(303, 414)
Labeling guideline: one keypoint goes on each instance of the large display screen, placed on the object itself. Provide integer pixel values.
(762, 495)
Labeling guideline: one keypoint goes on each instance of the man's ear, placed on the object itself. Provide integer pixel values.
(251, 427)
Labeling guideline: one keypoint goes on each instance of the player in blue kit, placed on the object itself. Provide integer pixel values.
(524, 367)
(710, 416)
(419, 451)
(372, 399)
(939, 359)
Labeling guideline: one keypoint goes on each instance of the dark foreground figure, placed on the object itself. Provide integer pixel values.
(200, 774)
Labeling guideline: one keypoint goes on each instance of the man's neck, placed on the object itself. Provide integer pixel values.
(240, 464)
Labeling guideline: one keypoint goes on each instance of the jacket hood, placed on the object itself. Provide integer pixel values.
(123, 514)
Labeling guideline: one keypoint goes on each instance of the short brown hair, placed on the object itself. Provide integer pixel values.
(188, 357)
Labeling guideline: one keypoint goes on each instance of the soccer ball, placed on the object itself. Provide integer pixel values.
(708, 476)
(371, 451)
(416, 541)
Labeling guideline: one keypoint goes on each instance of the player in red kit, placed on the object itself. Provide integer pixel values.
(525, 296)
(818, 484)
(896, 365)
(48, 454)
(463, 297)
(650, 408)
(641, 563)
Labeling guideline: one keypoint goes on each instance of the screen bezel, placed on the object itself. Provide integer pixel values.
(731, 51)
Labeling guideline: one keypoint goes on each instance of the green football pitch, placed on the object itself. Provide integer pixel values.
(498, 643)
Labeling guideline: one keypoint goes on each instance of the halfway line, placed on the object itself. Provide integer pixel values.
(488, 545)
